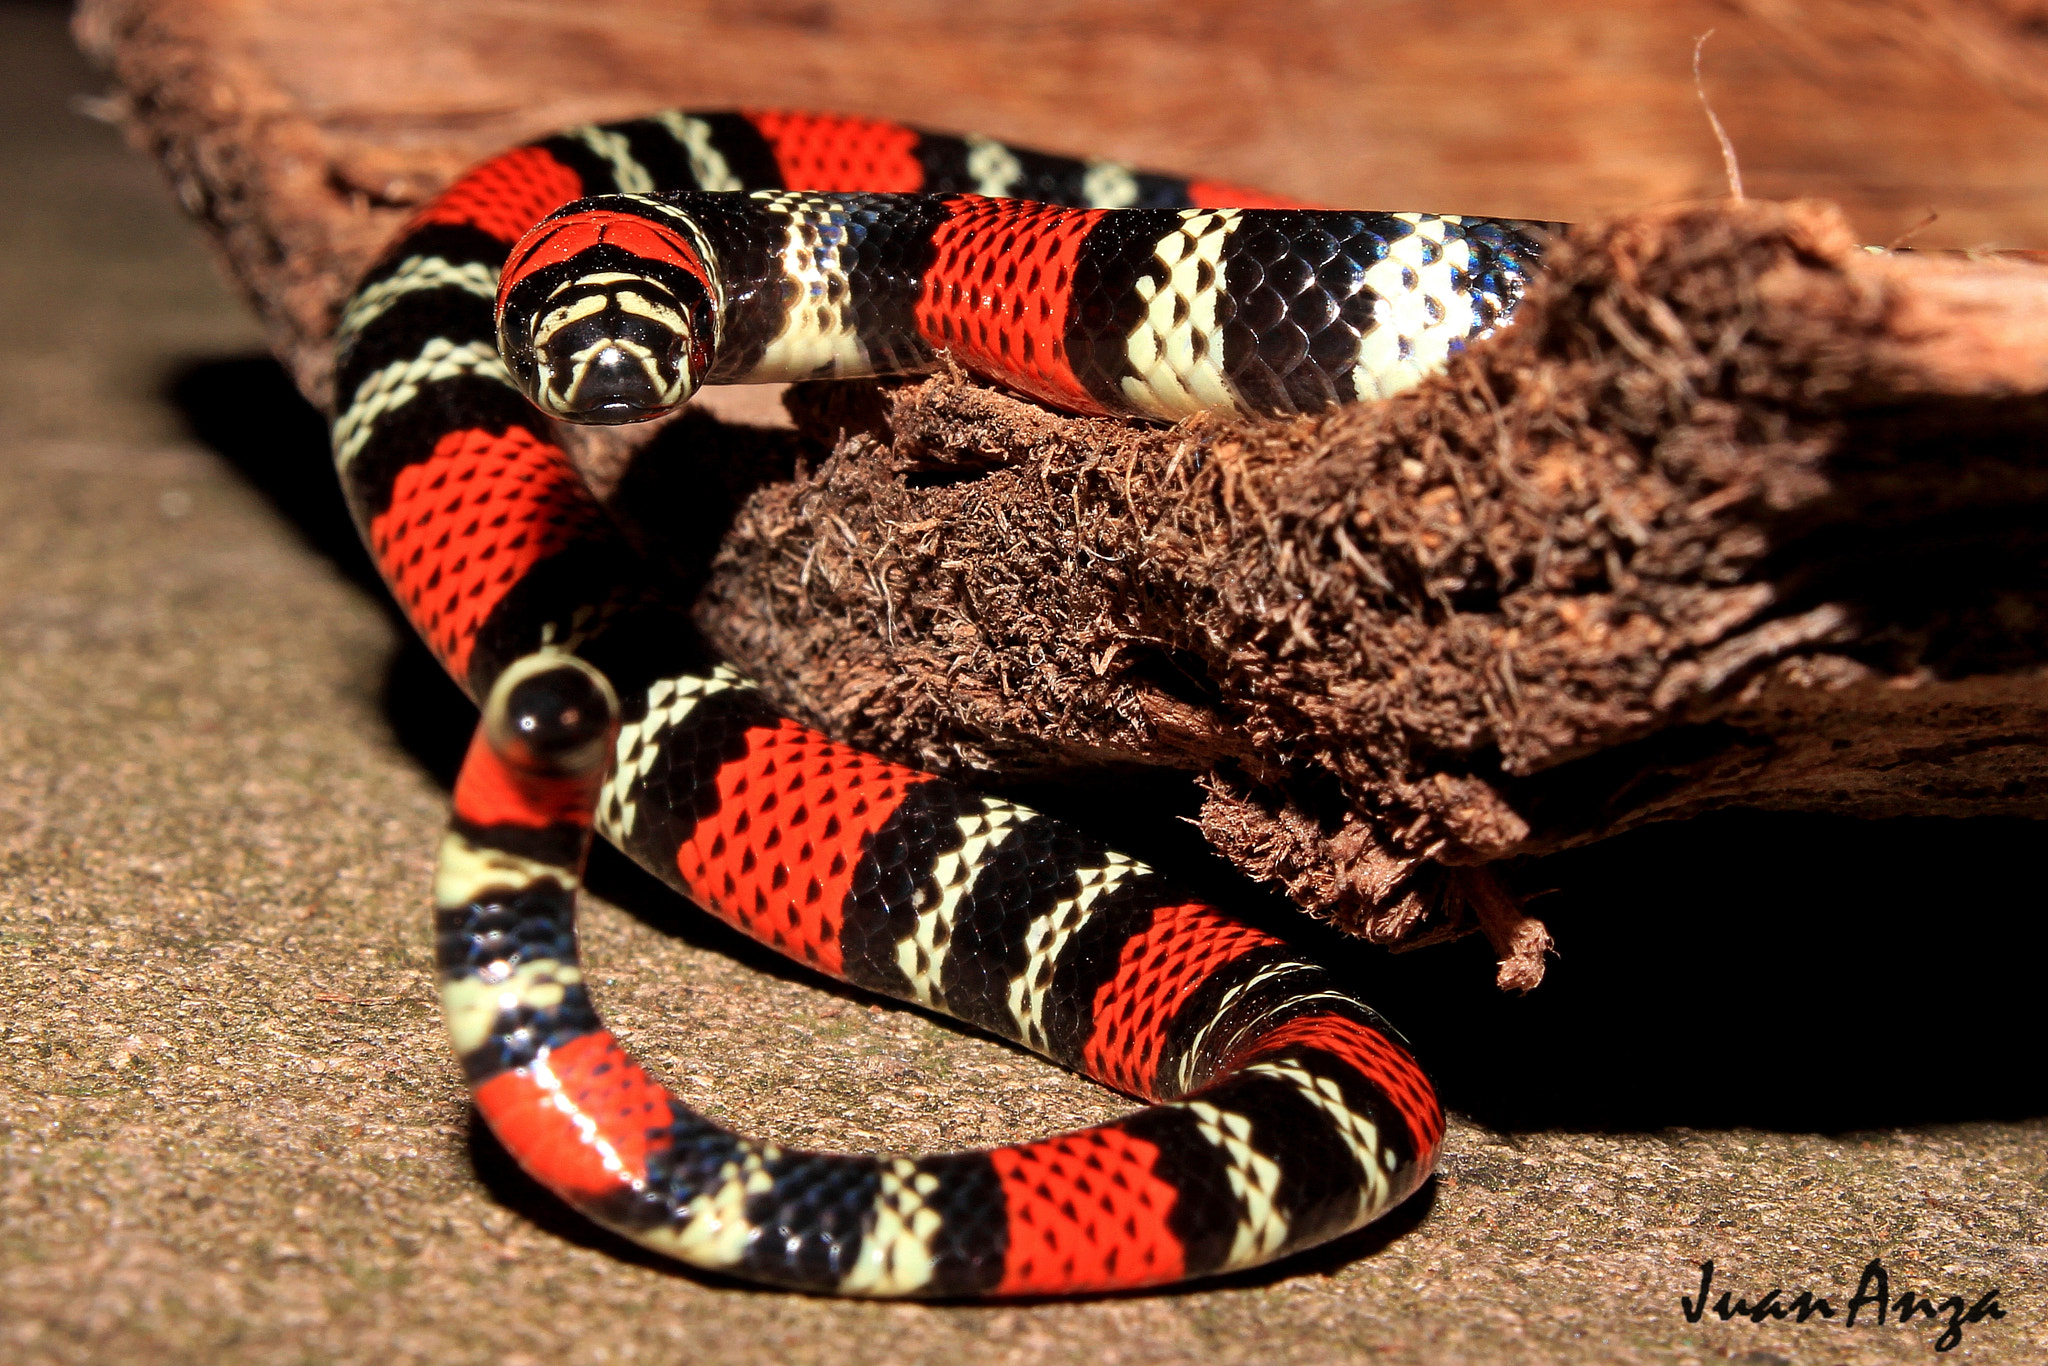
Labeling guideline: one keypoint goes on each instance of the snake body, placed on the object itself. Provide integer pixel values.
(621, 266)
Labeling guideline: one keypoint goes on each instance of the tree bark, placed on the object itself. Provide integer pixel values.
(1737, 513)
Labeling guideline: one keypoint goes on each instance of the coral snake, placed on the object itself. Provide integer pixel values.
(621, 266)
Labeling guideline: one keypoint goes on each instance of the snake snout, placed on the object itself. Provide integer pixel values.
(617, 364)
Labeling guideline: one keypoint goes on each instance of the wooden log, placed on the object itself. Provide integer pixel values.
(302, 133)
(1738, 514)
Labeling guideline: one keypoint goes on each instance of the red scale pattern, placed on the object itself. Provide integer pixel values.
(469, 522)
(564, 238)
(1086, 1212)
(836, 155)
(1221, 194)
(489, 791)
(505, 196)
(547, 1129)
(1000, 291)
(1379, 1058)
(1156, 972)
(777, 858)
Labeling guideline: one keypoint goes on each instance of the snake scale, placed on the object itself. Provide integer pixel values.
(603, 275)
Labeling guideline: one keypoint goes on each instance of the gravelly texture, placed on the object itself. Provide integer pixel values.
(229, 1130)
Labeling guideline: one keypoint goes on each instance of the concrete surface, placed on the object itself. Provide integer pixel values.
(230, 1130)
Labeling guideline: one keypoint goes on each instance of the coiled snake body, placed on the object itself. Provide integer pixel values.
(734, 248)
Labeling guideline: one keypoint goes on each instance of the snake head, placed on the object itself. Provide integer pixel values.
(608, 315)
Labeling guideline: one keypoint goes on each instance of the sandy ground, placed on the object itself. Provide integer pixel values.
(230, 1130)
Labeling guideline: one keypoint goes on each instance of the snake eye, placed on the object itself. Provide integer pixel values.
(551, 713)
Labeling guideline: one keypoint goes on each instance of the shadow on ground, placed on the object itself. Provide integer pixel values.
(1774, 970)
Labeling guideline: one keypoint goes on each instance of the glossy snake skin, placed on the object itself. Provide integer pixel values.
(691, 248)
